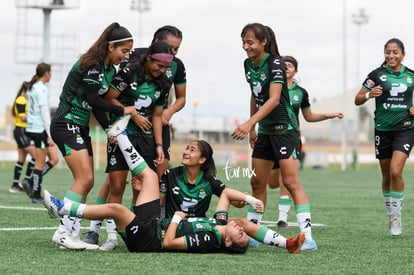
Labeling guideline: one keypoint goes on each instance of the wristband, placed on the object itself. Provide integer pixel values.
(158, 144)
(367, 95)
(251, 200)
(176, 219)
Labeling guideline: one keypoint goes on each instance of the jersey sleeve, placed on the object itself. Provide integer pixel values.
(218, 186)
(181, 76)
(122, 80)
(276, 71)
(201, 242)
(370, 81)
(305, 100)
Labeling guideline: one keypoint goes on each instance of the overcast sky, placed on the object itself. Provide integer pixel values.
(312, 31)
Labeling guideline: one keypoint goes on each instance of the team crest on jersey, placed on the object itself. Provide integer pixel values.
(369, 83)
(168, 73)
(409, 79)
(262, 76)
(112, 161)
(163, 187)
(202, 194)
(295, 97)
(79, 139)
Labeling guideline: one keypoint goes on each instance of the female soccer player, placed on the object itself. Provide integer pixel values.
(38, 127)
(299, 98)
(278, 132)
(24, 146)
(143, 231)
(392, 86)
(190, 187)
(87, 81)
(141, 83)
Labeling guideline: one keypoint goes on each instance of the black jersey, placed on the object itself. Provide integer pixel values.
(299, 98)
(201, 234)
(270, 70)
(392, 107)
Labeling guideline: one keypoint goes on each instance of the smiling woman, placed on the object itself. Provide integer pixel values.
(86, 82)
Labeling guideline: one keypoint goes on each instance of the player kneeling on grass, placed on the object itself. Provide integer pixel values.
(142, 231)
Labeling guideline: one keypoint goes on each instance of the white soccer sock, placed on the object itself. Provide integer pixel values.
(131, 156)
(76, 226)
(111, 228)
(95, 226)
(254, 217)
(305, 225)
(285, 204)
(274, 238)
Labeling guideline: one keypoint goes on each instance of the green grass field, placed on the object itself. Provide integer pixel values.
(354, 240)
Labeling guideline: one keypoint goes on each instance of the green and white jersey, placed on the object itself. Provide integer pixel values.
(200, 234)
(299, 98)
(145, 97)
(175, 72)
(270, 70)
(72, 103)
(392, 107)
(193, 199)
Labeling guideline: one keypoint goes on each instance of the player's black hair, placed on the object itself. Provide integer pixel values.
(292, 60)
(396, 41)
(138, 65)
(262, 32)
(162, 33)
(209, 166)
(114, 33)
(234, 248)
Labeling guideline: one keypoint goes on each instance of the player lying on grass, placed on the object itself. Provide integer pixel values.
(142, 231)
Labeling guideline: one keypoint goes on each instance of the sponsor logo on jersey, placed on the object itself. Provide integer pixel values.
(397, 88)
(262, 76)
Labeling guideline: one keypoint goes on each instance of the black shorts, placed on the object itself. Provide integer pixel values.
(388, 141)
(68, 135)
(300, 156)
(166, 141)
(277, 147)
(21, 137)
(145, 147)
(41, 140)
(141, 234)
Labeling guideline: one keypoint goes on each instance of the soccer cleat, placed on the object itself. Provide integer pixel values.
(293, 245)
(282, 225)
(28, 188)
(16, 188)
(309, 245)
(119, 126)
(52, 204)
(37, 200)
(66, 240)
(109, 244)
(91, 237)
(395, 225)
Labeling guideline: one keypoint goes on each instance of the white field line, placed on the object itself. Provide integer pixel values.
(267, 223)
